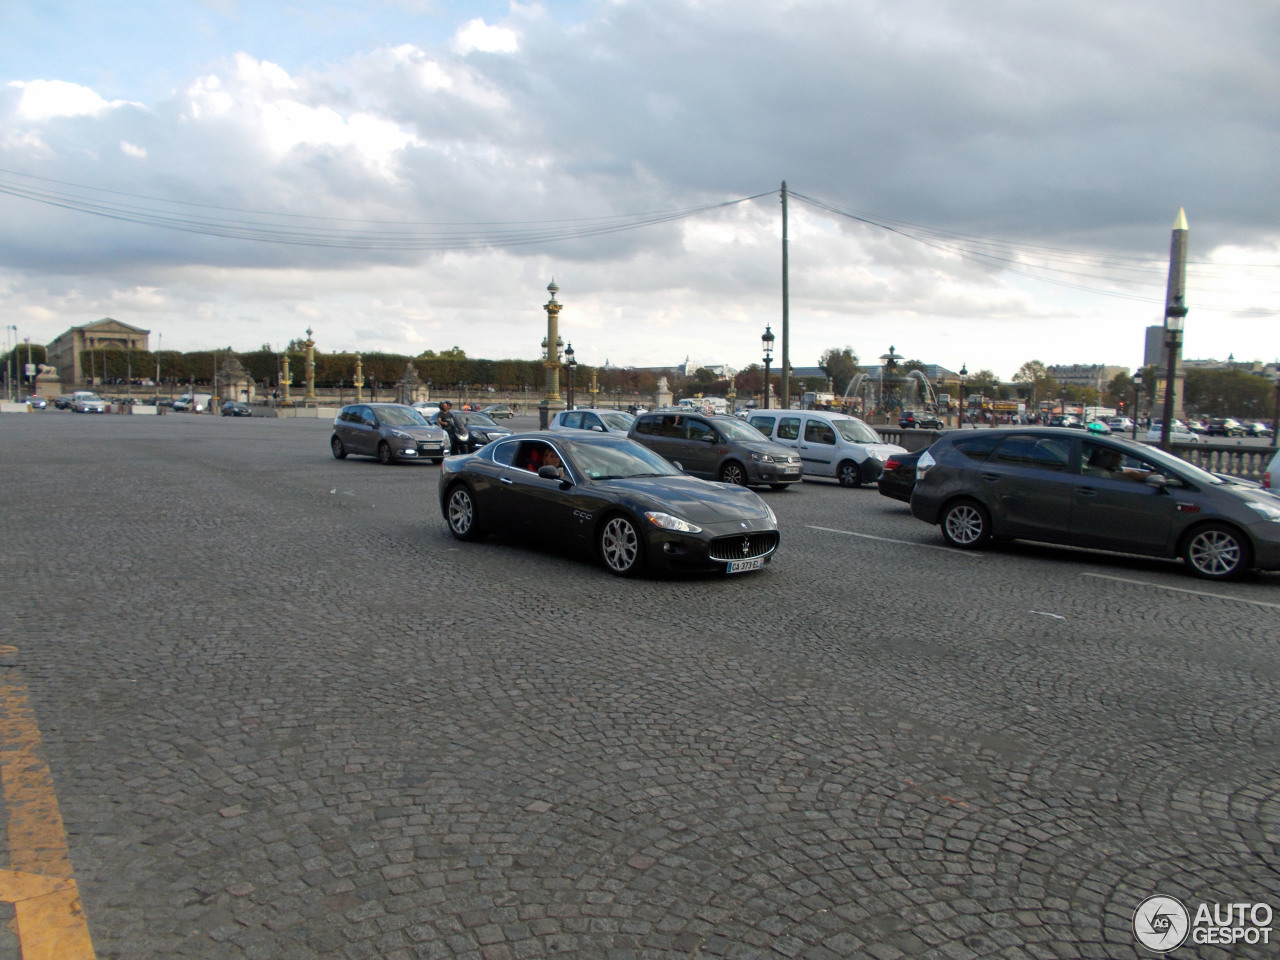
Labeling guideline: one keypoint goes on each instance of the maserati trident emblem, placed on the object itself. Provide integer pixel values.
(746, 546)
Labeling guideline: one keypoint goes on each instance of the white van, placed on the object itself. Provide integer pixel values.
(830, 444)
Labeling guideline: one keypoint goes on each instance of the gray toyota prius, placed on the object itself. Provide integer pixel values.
(1061, 486)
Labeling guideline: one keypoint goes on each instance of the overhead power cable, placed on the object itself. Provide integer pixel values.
(312, 231)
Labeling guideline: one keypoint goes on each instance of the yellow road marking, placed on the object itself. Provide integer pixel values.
(40, 885)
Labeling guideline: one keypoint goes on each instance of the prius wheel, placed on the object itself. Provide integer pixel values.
(384, 453)
(848, 474)
(620, 547)
(1216, 552)
(965, 524)
(464, 520)
(339, 451)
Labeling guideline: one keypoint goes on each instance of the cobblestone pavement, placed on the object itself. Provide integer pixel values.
(287, 716)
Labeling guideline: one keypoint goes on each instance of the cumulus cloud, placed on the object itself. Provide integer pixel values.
(478, 35)
(1058, 128)
(46, 99)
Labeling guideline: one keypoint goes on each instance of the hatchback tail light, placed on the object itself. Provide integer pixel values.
(891, 464)
(1266, 480)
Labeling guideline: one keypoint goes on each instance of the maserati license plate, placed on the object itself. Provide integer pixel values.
(742, 566)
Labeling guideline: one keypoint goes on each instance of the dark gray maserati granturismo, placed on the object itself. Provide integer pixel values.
(619, 500)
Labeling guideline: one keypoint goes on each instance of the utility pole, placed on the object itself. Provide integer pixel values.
(786, 310)
(1175, 311)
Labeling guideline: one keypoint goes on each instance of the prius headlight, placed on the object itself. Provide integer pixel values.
(667, 522)
(1267, 510)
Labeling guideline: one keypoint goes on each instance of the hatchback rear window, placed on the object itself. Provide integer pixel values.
(977, 446)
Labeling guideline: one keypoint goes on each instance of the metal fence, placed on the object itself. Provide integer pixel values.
(1229, 458)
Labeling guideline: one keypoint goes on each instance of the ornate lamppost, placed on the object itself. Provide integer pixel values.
(961, 405)
(285, 378)
(1174, 317)
(551, 347)
(571, 362)
(766, 342)
(359, 379)
(1137, 400)
(594, 389)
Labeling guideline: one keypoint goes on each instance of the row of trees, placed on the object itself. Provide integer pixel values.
(1208, 393)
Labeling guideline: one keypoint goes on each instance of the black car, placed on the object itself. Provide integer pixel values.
(899, 476)
(1101, 492)
(1226, 427)
(608, 495)
(479, 428)
(919, 421)
(234, 408)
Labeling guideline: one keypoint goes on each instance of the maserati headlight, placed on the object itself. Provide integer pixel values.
(667, 522)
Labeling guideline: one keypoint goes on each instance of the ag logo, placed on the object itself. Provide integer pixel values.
(1161, 923)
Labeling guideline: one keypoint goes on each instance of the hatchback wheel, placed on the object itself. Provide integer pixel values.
(339, 451)
(620, 547)
(965, 524)
(464, 519)
(384, 453)
(733, 472)
(1216, 552)
(849, 474)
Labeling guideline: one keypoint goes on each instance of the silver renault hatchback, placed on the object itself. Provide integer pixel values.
(392, 432)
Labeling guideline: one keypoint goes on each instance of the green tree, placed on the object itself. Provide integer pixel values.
(839, 364)
(1033, 376)
(1228, 393)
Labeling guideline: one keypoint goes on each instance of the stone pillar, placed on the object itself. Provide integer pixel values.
(359, 379)
(311, 367)
(284, 380)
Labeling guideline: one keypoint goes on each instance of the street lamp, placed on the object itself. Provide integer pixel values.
(571, 362)
(960, 407)
(1137, 399)
(766, 342)
(1174, 317)
(1275, 420)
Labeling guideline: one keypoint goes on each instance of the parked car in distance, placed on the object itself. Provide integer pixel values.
(1225, 427)
(187, 403)
(35, 403)
(899, 476)
(1179, 434)
(1097, 492)
(830, 444)
(601, 421)
(608, 495)
(1257, 429)
(498, 411)
(1121, 424)
(1197, 426)
(62, 402)
(235, 408)
(717, 447)
(86, 401)
(392, 432)
(911, 420)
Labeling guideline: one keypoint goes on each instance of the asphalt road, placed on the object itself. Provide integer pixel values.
(286, 715)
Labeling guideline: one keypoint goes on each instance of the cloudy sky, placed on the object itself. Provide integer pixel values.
(974, 181)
